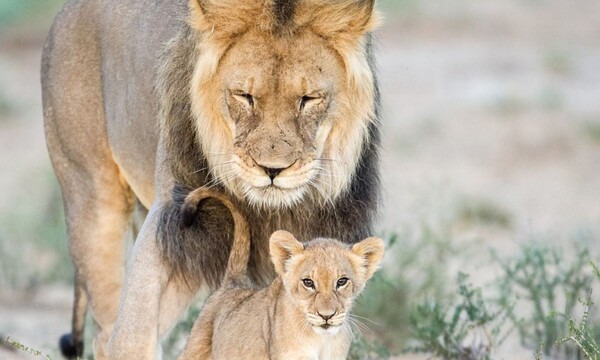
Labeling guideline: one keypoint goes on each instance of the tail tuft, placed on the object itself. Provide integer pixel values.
(68, 348)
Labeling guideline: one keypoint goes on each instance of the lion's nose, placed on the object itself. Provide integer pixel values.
(273, 172)
(326, 316)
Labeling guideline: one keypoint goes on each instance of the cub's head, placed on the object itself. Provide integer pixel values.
(283, 94)
(324, 276)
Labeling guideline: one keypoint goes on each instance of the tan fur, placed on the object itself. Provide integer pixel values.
(237, 266)
(142, 98)
(289, 319)
(321, 54)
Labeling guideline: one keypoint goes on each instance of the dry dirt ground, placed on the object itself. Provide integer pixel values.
(485, 102)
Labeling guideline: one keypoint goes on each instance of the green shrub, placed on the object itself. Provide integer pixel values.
(582, 334)
(419, 270)
(469, 330)
(20, 347)
(544, 279)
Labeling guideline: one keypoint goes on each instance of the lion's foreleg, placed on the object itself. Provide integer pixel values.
(151, 304)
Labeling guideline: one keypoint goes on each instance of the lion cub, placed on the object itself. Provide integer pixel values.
(303, 314)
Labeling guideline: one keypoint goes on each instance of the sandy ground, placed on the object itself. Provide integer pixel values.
(487, 101)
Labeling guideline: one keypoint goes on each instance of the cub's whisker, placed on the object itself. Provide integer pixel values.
(364, 318)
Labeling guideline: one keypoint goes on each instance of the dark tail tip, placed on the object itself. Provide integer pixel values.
(188, 215)
(189, 211)
(69, 348)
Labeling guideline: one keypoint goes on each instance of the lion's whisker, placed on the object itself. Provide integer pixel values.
(213, 170)
(324, 196)
(332, 160)
(222, 178)
(218, 154)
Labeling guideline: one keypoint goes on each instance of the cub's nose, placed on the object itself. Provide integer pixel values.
(273, 172)
(326, 316)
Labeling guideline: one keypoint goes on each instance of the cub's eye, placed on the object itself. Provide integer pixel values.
(309, 100)
(244, 98)
(308, 283)
(342, 282)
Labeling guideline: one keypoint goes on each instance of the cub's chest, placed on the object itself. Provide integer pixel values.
(318, 347)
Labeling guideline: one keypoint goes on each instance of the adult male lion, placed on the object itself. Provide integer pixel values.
(272, 101)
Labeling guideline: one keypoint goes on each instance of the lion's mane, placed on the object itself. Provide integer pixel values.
(198, 253)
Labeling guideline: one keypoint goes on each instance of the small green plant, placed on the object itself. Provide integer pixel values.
(469, 330)
(581, 334)
(16, 345)
(543, 279)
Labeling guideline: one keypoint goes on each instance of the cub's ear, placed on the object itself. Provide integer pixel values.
(371, 251)
(282, 246)
(344, 18)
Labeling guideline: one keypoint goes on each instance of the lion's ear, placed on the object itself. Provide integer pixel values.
(341, 18)
(282, 246)
(371, 251)
(226, 17)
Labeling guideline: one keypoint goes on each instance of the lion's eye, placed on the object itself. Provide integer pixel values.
(244, 98)
(342, 282)
(249, 99)
(308, 100)
(308, 283)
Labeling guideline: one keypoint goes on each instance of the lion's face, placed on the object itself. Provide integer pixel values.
(324, 276)
(280, 115)
(279, 104)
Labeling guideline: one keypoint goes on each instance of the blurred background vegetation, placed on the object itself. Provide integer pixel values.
(30, 17)
(491, 171)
